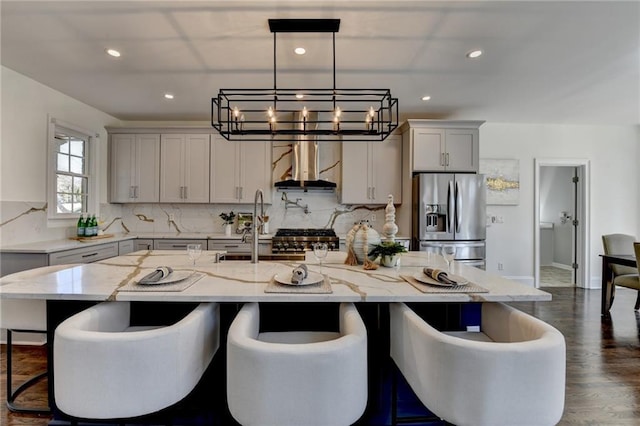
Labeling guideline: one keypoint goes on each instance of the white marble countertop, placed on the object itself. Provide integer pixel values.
(53, 246)
(242, 281)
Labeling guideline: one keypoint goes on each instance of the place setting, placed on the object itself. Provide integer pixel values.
(165, 278)
(299, 280)
(436, 280)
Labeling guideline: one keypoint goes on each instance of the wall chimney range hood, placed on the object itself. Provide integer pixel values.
(305, 162)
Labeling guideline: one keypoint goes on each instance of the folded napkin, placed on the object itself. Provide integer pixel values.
(299, 274)
(160, 273)
(439, 275)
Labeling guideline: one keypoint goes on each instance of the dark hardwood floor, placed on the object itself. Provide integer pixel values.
(603, 359)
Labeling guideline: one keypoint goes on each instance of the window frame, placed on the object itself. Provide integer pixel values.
(92, 138)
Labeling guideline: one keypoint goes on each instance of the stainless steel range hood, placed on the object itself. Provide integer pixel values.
(305, 163)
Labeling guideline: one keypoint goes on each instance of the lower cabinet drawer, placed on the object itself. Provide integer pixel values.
(84, 255)
(169, 244)
(230, 246)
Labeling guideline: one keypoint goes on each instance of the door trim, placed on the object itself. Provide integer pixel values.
(583, 237)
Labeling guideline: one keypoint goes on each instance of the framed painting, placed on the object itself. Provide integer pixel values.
(503, 180)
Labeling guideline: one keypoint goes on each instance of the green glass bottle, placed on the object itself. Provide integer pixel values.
(80, 228)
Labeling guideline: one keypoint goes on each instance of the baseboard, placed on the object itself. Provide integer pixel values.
(35, 339)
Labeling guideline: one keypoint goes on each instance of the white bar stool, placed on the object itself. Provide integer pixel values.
(296, 377)
(105, 369)
(24, 316)
(513, 373)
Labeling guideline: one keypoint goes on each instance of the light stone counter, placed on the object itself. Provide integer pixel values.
(53, 246)
(242, 281)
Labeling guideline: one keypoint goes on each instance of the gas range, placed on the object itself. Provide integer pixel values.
(299, 240)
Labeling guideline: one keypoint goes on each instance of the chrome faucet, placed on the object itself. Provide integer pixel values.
(254, 225)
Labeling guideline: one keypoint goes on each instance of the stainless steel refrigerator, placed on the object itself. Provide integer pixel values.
(450, 208)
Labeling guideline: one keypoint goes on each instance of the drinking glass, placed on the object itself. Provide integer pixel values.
(194, 251)
(320, 251)
(449, 254)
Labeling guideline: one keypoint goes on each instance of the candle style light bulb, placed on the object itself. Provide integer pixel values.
(236, 112)
(372, 112)
(338, 112)
(272, 123)
(270, 112)
(304, 112)
(336, 123)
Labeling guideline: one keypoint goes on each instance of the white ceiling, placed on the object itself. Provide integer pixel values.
(544, 61)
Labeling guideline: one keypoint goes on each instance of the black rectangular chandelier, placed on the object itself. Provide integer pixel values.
(291, 114)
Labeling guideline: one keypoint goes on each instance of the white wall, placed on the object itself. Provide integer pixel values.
(613, 155)
(23, 147)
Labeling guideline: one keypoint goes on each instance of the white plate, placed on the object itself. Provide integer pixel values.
(312, 278)
(174, 277)
(428, 280)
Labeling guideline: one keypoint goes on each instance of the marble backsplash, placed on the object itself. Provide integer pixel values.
(25, 222)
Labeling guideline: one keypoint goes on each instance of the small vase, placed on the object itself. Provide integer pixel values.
(389, 260)
(227, 229)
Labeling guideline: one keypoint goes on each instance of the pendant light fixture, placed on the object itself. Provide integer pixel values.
(292, 114)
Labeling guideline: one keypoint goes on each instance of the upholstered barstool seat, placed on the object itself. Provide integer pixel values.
(513, 373)
(106, 369)
(25, 316)
(299, 377)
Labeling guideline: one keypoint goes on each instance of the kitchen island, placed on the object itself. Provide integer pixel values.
(233, 282)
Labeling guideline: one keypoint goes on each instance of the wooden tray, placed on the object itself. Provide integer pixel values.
(95, 237)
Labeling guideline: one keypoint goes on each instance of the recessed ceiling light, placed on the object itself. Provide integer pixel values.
(168, 95)
(300, 50)
(113, 52)
(474, 54)
(299, 96)
(426, 98)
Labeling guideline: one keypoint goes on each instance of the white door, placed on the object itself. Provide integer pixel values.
(224, 183)
(386, 170)
(196, 169)
(356, 165)
(147, 168)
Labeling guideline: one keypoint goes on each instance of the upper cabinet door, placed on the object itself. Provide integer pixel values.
(224, 184)
(196, 170)
(429, 152)
(356, 173)
(172, 164)
(386, 170)
(462, 150)
(254, 171)
(148, 166)
(122, 168)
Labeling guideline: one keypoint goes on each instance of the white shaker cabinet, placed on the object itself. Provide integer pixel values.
(135, 168)
(238, 169)
(437, 145)
(184, 168)
(371, 171)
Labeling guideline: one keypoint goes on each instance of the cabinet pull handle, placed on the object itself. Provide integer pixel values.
(178, 245)
(185, 192)
(231, 246)
(240, 193)
(442, 159)
(373, 192)
(447, 159)
(135, 191)
(182, 192)
(90, 254)
(131, 192)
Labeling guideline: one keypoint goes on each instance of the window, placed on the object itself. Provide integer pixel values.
(71, 177)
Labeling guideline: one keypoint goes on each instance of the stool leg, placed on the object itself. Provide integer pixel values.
(11, 394)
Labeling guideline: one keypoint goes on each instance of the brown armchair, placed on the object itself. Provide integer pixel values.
(623, 276)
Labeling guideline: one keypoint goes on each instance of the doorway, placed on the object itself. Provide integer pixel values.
(561, 222)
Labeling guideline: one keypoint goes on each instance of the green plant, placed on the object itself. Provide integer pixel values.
(386, 248)
(228, 217)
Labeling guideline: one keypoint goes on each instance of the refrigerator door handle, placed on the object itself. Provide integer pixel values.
(458, 208)
(450, 207)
